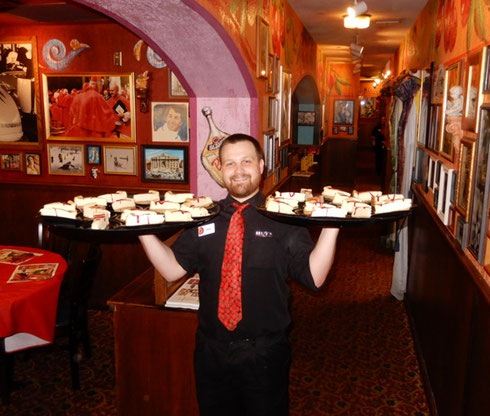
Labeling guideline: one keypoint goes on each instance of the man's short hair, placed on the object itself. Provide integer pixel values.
(181, 111)
(240, 137)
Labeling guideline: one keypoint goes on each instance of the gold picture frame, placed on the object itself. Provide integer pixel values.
(69, 97)
(66, 159)
(120, 160)
(450, 108)
(262, 65)
(474, 76)
(465, 177)
(20, 84)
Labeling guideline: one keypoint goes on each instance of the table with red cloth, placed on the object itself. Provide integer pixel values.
(28, 309)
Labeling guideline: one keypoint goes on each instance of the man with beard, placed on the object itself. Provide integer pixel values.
(242, 356)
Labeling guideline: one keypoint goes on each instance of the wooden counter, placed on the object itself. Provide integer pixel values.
(154, 350)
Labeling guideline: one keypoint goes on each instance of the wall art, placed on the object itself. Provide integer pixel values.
(120, 160)
(165, 164)
(19, 92)
(343, 112)
(54, 53)
(93, 154)
(33, 163)
(262, 66)
(465, 169)
(473, 96)
(66, 159)
(170, 122)
(96, 107)
(452, 109)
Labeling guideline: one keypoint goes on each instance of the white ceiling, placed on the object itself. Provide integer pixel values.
(324, 21)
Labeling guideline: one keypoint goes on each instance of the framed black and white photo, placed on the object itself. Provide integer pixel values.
(165, 164)
(19, 90)
(477, 224)
(66, 159)
(120, 160)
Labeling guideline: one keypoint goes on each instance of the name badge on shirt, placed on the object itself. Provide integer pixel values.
(205, 229)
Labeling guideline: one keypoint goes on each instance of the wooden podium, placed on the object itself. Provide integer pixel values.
(154, 350)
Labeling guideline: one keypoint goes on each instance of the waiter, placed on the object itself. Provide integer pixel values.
(242, 355)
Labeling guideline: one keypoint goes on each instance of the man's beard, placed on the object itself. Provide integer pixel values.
(243, 189)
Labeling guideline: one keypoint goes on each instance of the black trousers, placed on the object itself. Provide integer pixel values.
(242, 378)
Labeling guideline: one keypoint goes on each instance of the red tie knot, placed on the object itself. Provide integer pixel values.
(240, 207)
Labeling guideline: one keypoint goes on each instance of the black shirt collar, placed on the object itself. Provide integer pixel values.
(257, 200)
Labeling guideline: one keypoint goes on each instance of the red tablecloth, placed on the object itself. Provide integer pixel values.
(28, 309)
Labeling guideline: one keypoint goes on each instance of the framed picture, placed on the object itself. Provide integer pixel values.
(335, 129)
(95, 107)
(270, 74)
(477, 224)
(454, 181)
(368, 107)
(66, 159)
(262, 48)
(269, 155)
(420, 166)
(33, 163)
(473, 83)
(430, 176)
(465, 169)
(452, 107)
(306, 118)
(343, 112)
(120, 160)
(11, 161)
(165, 164)
(461, 232)
(285, 107)
(350, 130)
(438, 84)
(343, 129)
(175, 88)
(19, 89)
(170, 122)
(444, 193)
(93, 154)
(424, 103)
(486, 73)
(435, 115)
(451, 217)
(276, 81)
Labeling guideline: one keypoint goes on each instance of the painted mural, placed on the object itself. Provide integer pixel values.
(445, 30)
(340, 80)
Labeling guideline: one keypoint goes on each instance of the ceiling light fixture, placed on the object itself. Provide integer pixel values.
(357, 9)
(359, 22)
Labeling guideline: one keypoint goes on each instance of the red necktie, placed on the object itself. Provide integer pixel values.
(230, 290)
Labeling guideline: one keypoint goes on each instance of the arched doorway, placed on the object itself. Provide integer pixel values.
(307, 112)
(202, 54)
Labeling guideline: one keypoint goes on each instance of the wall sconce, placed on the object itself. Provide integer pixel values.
(142, 92)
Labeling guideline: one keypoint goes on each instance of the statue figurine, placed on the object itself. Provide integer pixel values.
(454, 106)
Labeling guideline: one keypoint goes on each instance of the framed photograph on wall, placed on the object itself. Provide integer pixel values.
(461, 233)
(262, 48)
(477, 224)
(66, 159)
(175, 88)
(120, 160)
(170, 122)
(95, 107)
(486, 71)
(452, 107)
(465, 169)
(33, 163)
(19, 90)
(164, 164)
(438, 84)
(306, 118)
(93, 154)
(368, 107)
(473, 88)
(444, 194)
(11, 161)
(343, 112)
(285, 107)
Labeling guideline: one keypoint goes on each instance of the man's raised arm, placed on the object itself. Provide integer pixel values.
(322, 256)
(162, 257)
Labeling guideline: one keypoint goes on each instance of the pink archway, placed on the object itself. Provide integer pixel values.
(198, 49)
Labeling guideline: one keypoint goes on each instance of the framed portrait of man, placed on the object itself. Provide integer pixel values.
(170, 122)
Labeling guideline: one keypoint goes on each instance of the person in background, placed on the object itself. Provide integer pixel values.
(244, 259)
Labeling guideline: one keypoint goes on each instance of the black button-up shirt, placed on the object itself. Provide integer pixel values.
(272, 251)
